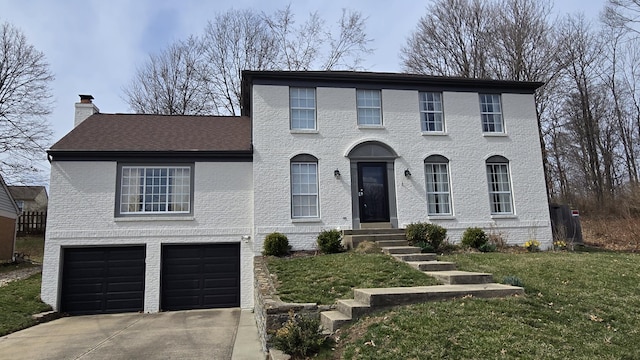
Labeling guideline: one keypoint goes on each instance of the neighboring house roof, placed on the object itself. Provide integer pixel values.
(377, 80)
(129, 135)
(7, 203)
(26, 192)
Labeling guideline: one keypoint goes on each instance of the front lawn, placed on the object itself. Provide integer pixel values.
(326, 278)
(577, 306)
(18, 301)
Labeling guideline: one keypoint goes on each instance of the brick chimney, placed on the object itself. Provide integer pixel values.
(84, 109)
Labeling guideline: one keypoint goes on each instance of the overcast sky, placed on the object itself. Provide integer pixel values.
(93, 47)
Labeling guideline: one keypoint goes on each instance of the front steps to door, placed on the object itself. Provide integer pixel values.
(456, 284)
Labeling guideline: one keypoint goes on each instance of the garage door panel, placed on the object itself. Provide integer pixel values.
(228, 282)
(200, 276)
(100, 280)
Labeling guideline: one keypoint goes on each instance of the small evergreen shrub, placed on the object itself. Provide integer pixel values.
(276, 244)
(488, 247)
(512, 280)
(432, 234)
(300, 336)
(368, 247)
(330, 241)
(474, 237)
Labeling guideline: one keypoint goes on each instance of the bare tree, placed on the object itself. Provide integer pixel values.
(203, 76)
(235, 41)
(25, 101)
(623, 13)
(450, 40)
(172, 82)
(311, 46)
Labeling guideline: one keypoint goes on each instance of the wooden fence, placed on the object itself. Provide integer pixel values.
(32, 223)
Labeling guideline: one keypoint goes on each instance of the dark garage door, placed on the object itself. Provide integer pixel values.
(102, 280)
(200, 276)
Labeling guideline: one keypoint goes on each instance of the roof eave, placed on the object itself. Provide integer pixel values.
(161, 155)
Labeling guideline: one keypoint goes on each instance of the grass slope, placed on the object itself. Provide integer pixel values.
(31, 245)
(18, 301)
(323, 279)
(578, 306)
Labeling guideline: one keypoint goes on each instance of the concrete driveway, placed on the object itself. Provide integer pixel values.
(195, 334)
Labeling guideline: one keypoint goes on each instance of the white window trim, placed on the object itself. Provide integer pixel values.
(494, 113)
(316, 194)
(164, 213)
(491, 192)
(315, 111)
(423, 111)
(358, 107)
(447, 193)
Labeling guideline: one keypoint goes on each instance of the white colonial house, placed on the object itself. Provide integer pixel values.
(150, 213)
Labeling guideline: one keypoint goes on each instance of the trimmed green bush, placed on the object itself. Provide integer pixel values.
(300, 336)
(276, 244)
(330, 241)
(432, 234)
(474, 237)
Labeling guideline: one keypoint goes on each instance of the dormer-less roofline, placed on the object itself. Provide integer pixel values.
(378, 80)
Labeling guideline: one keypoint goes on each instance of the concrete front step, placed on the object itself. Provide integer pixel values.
(376, 225)
(378, 237)
(333, 320)
(432, 265)
(392, 250)
(352, 308)
(352, 241)
(415, 257)
(380, 297)
(455, 277)
(372, 231)
(387, 243)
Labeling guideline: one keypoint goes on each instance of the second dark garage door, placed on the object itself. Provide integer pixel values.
(201, 276)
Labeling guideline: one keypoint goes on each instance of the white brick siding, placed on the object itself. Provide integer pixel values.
(464, 145)
(81, 213)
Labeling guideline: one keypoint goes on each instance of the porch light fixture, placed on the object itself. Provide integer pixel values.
(336, 173)
(407, 173)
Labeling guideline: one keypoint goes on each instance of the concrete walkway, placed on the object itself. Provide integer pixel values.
(195, 334)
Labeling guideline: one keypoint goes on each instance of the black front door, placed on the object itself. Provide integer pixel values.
(373, 190)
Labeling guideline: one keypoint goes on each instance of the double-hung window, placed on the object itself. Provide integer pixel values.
(431, 115)
(302, 102)
(438, 189)
(155, 190)
(499, 186)
(304, 187)
(491, 113)
(369, 106)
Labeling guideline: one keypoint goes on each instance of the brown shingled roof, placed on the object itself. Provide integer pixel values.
(148, 133)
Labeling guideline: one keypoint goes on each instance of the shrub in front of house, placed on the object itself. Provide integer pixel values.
(474, 237)
(432, 234)
(330, 241)
(301, 336)
(276, 244)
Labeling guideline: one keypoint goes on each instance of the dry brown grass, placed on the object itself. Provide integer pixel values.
(617, 234)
